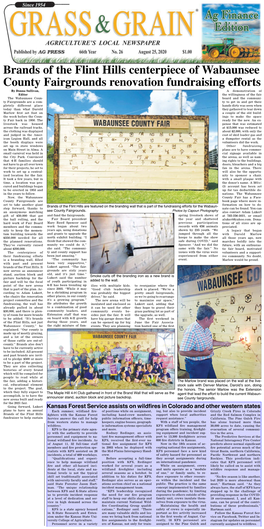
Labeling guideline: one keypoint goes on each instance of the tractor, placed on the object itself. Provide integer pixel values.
(228, 48)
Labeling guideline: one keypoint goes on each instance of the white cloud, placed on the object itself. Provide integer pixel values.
(91, 96)
(85, 96)
(56, 107)
(211, 6)
(251, 23)
(78, 96)
(98, 108)
(213, 139)
(51, 139)
(208, 24)
(84, 112)
(48, 128)
(165, 102)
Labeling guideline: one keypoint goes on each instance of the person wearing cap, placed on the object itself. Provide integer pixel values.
(197, 345)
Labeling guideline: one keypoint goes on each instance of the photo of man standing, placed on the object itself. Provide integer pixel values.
(197, 345)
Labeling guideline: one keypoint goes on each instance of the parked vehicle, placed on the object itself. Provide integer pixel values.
(230, 49)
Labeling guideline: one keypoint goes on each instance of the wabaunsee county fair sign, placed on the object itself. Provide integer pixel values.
(135, 152)
(247, 276)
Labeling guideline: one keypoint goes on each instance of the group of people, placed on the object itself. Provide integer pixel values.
(89, 368)
(198, 344)
(149, 373)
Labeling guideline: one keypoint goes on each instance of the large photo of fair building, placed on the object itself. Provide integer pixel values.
(219, 322)
(115, 359)
(132, 146)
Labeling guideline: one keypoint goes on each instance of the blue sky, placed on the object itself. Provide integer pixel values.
(244, 38)
(195, 102)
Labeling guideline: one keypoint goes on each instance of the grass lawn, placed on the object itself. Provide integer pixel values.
(72, 196)
(109, 60)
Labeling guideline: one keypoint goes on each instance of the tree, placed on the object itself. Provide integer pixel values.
(50, 152)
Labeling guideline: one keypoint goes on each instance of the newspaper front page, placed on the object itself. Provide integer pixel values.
(131, 264)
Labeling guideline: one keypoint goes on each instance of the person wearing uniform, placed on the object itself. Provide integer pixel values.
(138, 364)
(150, 377)
(197, 345)
(165, 377)
(138, 374)
(157, 367)
(90, 377)
(74, 379)
(152, 355)
(126, 372)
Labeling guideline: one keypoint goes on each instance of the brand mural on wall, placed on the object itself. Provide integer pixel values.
(247, 276)
(87, 340)
(117, 152)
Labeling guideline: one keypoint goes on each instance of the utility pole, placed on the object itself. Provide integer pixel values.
(180, 102)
